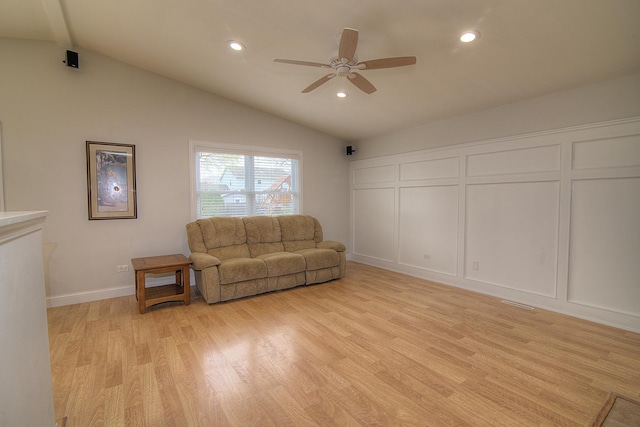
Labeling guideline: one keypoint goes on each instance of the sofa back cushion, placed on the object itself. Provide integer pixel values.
(299, 232)
(263, 235)
(224, 237)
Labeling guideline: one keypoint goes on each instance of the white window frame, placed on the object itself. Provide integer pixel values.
(238, 149)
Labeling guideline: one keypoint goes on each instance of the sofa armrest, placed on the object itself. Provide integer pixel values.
(201, 261)
(330, 244)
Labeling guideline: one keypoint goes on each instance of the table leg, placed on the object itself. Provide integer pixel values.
(186, 282)
(179, 278)
(140, 291)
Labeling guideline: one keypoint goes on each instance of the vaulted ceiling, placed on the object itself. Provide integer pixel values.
(527, 48)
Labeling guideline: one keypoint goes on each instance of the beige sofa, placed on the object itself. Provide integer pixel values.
(237, 257)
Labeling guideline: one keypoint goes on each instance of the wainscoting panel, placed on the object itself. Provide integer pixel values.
(604, 268)
(430, 169)
(428, 226)
(512, 235)
(607, 153)
(374, 223)
(524, 160)
(374, 175)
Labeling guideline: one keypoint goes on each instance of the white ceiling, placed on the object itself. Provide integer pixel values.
(527, 48)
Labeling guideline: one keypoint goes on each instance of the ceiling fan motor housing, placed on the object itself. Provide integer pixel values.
(343, 66)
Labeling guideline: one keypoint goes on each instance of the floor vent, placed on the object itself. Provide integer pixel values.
(517, 304)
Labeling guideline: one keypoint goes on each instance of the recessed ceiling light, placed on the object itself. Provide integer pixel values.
(341, 95)
(469, 36)
(236, 45)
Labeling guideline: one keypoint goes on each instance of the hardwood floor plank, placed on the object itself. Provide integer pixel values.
(356, 404)
(330, 416)
(114, 375)
(511, 378)
(200, 406)
(526, 406)
(152, 401)
(133, 416)
(133, 393)
(114, 405)
(438, 410)
(375, 348)
(247, 411)
(295, 413)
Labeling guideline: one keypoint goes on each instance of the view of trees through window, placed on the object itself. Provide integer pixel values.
(241, 184)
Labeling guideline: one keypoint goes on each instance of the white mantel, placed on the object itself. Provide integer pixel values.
(26, 395)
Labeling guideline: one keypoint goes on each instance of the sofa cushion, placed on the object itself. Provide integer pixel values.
(299, 228)
(241, 269)
(320, 258)
(263, 235)
(230, 252)
(218, 232)
(224, 238)
(281, 263)
(299, 232)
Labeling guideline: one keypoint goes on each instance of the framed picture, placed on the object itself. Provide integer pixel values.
(111, 180)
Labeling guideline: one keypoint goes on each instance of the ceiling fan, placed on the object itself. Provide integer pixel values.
(346, 64)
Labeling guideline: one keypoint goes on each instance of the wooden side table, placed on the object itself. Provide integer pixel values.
(179, 291)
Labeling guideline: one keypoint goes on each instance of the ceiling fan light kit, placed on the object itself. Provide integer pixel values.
(346, 64)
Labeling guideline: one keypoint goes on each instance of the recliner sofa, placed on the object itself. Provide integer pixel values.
(235, 257)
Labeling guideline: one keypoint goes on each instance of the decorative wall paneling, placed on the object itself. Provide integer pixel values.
(550, 219)
(512, 235)
(374, 233)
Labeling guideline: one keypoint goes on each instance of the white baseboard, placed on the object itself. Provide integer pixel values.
(79, 297)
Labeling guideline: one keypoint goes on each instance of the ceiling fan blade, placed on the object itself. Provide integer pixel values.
(307, 63)
(318, 83)
(399, 61)
(362, 83)
(348, 44)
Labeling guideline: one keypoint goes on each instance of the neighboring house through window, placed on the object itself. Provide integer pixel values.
(238, 180)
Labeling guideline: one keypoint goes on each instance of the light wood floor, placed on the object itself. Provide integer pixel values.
(374, 348)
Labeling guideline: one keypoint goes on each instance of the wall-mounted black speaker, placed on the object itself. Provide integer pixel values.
(350, 150)
(72, 59)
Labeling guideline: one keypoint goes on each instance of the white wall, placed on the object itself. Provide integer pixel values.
(48, 111)
(610, 100)
(549, 219)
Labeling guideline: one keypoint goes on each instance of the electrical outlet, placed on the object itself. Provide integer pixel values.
(476, 265)
(122, 268)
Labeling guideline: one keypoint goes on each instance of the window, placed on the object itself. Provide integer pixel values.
(233, 180)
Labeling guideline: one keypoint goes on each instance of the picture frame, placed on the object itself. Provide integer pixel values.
(111, 181)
